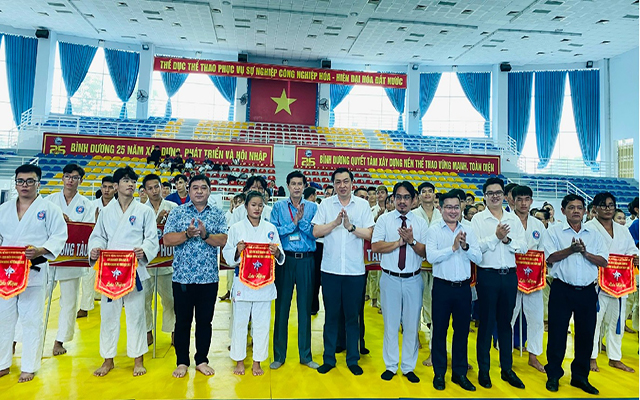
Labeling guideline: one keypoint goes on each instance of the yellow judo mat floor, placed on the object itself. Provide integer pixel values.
(70, 376)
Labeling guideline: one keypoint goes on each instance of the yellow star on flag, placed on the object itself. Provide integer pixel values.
(283, 102)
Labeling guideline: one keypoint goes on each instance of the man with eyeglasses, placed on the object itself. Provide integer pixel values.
(500, 235)
(38, 225)
(400, 236)
(611, 311)
(76, 208)
(575, 251)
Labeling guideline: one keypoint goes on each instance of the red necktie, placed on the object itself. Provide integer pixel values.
(402, 257)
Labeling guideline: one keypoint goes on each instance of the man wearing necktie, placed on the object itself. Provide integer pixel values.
(400, 236)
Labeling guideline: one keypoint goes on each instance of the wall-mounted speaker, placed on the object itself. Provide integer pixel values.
(42, 33)
(325, 64)
(505, 67)
(243, 57)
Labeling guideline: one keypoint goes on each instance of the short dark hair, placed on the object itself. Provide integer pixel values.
(141, 187)
(601, 198)
(449, 195)
(251, 195)
(632, 205)
(296, 174)
(571, 197)
(509, 187)
(125, 172)
(547, 214)
(180, 176)
(69, 168)
(426, 185)
(590, 206)
(200, 177)
(438, 195)
(370, 188)
(150, 177)
(407, 185)
(493, 181)
(166, 184)
(308, 192)
(521, 191)
(253, 180)
(328, 187)
(107, 179)
(467, 208)
(340, 171)
(359, 189)
(241, 196)
(618, 210)
(28, 168)
(460, 193)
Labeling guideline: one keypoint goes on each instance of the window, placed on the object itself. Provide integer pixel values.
(6, 116)
(451, 113)
(366, 107)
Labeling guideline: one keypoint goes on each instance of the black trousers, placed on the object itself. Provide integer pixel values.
(317, 258)
(496, 301)
(200, 298)
(341, 292)
(342, 334)
(454, 301)
(565, 300)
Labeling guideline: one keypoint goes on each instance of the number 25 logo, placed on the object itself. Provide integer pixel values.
(54, 149)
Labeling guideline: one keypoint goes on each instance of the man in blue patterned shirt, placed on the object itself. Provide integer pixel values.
(292, 217)
(196, 230)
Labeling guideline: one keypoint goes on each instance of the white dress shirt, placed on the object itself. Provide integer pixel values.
(386, 230)
(496, 254)
(343, 252)
(575, 270)
(453, 266)
(422, 214)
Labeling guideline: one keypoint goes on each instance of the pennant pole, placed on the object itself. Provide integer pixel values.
(155, 311)
(46, 318)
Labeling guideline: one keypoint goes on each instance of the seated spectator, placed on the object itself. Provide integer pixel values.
(177, 163)
(189, 163)
(166, 163)
(154, 157)
(207, 165)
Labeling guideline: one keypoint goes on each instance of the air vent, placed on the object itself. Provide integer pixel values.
(312, 36)
(122, 4)
(512, 13)
(444, 32)
(379, 54)
(333, 28)
(128, 37)
(575, 45)
(565, 40)
(177, 24)
(260, 44)
(151, 12)
(261, 32)
(488, 45)
(261, 16)
(56, 5)
(466, 12)
(416, 35)
(331, 34)
(540, 11)
(64, 12)
(216, 11)
(402, 29)
(605, 42)
(390, 42)
(558, 18)
(242, 26)
(133, 20)
(497, 40)
(205, 42)
(603, 21)
(553, 2)
(540, 53)
(306, 49)
(446, 3)
(360, 23)
(154, 18)
(242, 20)
(629, 16)
(411, 40)
(420, 7)
(317, 21)
(89, 15)
(222, 40)
(565, 50)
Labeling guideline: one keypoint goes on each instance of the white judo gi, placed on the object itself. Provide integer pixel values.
(42, 225)
(427, 275)
(80, 209)
(248, 302)
(532, 304)
(115, 230)
(610, 307)
(165, 289)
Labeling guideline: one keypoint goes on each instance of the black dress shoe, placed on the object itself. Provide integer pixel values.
(387, 375)
(484, 380)
(438, 382)
(512, 378)
(412, 377)
(584, 385)
(355, 369)
(464, 382)
(552, 385)
(364, 350)
(339, 349)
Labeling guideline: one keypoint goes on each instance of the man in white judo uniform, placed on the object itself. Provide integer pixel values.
(618, 240)
(161, 208)
(39, 225)
(125, 225)
(76, 208)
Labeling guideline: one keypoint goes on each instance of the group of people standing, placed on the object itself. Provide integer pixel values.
(418, 226)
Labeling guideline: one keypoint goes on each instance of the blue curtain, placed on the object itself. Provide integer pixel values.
(337, 93)
(396, 96)
(172, 83)
(75, 60)
(519, 106)
(226, 85)
(21, 73)
(477, 88)
(123, 68)
(585, 99)
(428, 86)
(549, 97)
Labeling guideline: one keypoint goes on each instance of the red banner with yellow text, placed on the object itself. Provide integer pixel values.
(219, 153)
(360, 159)
(279, 72)
(618, 277)
(257, 266)
(14, 271)
(531, 269)
(116, 276)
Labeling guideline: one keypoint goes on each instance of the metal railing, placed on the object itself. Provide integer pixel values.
(567, 167)
(551, 188)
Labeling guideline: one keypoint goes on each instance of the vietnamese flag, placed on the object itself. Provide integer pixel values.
(282, 102)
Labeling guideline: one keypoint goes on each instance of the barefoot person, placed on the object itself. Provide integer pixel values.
(611, 313)
(125, 224)
(39, 225)
(531, 304)
(76, 208)
(196, 230)
(251, 303)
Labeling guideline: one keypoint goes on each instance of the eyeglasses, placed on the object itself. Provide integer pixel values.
(29, 182)
(607, 206)
(452, 208)
(494, 194)
(406, 197)
(71, 177)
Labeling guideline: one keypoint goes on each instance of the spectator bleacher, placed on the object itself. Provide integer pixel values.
(439, 144)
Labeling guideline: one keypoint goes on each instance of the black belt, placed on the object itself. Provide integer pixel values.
(465, 283)
(589, 286)
(500, 271)
(298, 255)
(402, 274)
(36, 261)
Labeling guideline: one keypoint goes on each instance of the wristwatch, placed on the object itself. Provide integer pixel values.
(207, 236)
(508, 240)
(353, 228)
(413, 243)
(466, 248)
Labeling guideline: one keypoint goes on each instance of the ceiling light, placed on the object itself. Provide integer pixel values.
(353, 14)
(525, 37)
(420, 7)
(176, 24)
(466, 12)
(226, 3)
(540, 53)
(603, 21)
(170, 8)
(216, 10)
(540, 11)
(558, 18)
(122, 4)
(605, 42)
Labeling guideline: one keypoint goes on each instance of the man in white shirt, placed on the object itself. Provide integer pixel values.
(451, 248)
(344, 221)
(161, 207)
(531, 304)
(500, 235)
(400, 236)
(76, 208)
(575, 251)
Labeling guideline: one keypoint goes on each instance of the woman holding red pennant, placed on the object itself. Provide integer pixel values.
(253, 247)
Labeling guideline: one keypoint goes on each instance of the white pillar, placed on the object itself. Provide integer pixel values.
(145, 80)
(43, 85)
(242, 88)
(499, 104)
(608, 148)
(412, 101)
(324, 92)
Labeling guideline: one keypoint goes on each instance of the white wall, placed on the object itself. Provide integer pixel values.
(623, 79)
